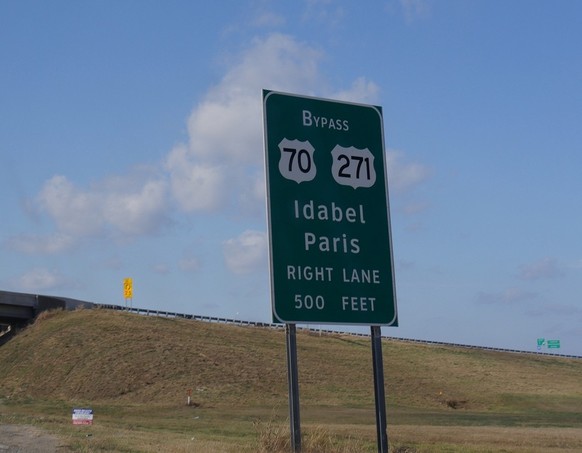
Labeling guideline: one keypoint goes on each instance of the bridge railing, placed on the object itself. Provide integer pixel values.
(38, 302)
(214, 319)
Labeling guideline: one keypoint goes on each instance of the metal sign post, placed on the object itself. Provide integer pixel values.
(293, 378)
(379, 396)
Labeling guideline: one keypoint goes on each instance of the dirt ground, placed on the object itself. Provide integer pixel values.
(27, 439)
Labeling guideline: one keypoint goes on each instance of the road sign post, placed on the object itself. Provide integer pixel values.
(293, 382)
(329, 225)
(380, 398)
(128, 290)
(330, 246)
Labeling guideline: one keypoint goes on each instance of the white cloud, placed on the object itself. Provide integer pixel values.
(136, 212)
(546, 268)
(251, 198)
(362, 91)
(269, 19)
(40, 279)
(247, 252)
(508, 296)
(195, 186)
(404, 176)
(35, 244)
(127, 208)
(161, 268)
(556, 309)
(73, 210)
(414, 207)
(225, 130)
(190, 264)
(228, 123)
(277, 62)
(324, 12)
(414, 9)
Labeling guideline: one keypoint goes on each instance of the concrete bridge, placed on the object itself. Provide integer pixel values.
(19, 309)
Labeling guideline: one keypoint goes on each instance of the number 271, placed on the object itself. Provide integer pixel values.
(361, 163)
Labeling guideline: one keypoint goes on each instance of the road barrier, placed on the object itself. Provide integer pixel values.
(213, 319)
(38, 303)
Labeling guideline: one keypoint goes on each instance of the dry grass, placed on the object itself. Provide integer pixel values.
(135, 371)
(276, 438)
(489, 439)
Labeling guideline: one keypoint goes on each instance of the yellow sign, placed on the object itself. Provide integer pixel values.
(128, 288)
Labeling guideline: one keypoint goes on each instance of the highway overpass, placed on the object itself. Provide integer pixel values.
(19, 309)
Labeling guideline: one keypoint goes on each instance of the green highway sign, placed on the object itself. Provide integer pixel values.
(327, 202)
(550, 344)
(553, 344)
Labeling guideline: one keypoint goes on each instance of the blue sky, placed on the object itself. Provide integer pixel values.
(131, 146)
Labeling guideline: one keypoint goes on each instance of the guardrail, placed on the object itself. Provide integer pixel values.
(167, 314)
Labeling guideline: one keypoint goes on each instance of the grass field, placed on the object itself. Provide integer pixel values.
(135, 372)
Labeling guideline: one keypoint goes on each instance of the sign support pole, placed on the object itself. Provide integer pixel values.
(293, 379)
(379, 396)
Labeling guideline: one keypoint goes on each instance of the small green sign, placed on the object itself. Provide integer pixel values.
(329, 225)
(553, 344)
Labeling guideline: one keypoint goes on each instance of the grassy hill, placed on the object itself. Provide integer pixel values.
(135, 372)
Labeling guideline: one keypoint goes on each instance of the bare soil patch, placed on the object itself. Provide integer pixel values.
(26, 438)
